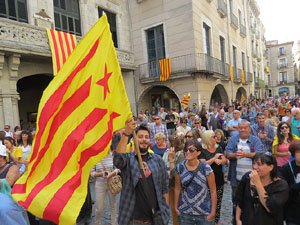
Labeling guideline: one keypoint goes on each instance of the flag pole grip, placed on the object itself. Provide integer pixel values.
(137, 150)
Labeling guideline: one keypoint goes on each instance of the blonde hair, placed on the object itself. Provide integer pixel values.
(205, 141)
(159, 135)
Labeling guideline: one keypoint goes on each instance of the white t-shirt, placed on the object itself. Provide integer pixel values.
(243, 165)
(26, 151)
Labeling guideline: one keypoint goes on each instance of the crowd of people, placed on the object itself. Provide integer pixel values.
(186, 158)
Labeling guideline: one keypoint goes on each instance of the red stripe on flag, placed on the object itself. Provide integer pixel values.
(54, 100)
(169, 68)
(72, 41)
(61, 47)
(68, 107)
(68, 149)
(56, 50)
(164, 69)
(63, 195)
(67, 43)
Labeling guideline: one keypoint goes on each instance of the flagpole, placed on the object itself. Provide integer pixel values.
(137, 149)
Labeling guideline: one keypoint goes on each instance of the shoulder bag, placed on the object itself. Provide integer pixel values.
(114, 182)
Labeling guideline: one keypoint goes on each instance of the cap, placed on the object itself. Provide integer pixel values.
(3, 150)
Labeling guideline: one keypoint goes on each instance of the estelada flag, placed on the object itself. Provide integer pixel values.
(231, 72)
(61, 45)
(78, 113)
(243, 76)
(165, 69)
(185, 100)
(243, 99)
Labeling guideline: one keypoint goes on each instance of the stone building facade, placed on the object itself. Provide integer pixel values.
(203, 39)
(282, 71)
(25, 58)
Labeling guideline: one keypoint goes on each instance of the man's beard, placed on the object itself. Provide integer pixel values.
(144, 150)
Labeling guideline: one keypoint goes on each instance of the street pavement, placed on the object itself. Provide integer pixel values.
(226, 210)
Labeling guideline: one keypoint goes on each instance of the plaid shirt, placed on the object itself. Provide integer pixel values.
(267, 144)
(155, 129)
(130, 172)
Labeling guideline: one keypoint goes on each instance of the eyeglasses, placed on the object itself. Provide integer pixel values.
(6, 128)
(183, 122)
(188, 136)
(284, 127)
(196, 123)
(190, 149)
(156, 119)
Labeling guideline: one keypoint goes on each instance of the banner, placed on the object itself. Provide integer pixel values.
(165, 69)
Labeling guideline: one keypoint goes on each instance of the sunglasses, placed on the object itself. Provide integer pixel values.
(284, 127)
(197, 123)
(191, 150)
(156, 119)
(188, 136)
(183, 122)
(6, 128)
(268, 154)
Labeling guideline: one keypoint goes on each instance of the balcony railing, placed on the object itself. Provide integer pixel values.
(180, 65)
(282, 65)
(249, 77)
(222, 8)
(242, 30)
(282, 52)
(234, 22)
(254, 52)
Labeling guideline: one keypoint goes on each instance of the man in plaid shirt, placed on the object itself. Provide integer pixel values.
(134, 207)
(158, 127)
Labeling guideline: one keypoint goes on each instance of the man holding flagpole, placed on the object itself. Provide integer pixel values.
(135, 205)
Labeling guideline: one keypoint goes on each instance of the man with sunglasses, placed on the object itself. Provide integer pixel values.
(158, 127)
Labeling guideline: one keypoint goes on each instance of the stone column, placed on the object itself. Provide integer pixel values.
(9, 113)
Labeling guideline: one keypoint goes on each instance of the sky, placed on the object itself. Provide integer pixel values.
(281, 19)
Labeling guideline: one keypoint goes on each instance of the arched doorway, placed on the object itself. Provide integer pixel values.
(219, 95)
(241, 92)
(158, 96)
(31, 89)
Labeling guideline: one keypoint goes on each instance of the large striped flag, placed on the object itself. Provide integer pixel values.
(165, 69)
(61, 45)
(77, 115)
(185, 100)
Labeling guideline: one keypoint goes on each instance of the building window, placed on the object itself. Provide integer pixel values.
(111, 17)
(281, 51)
(206, 39)
(67, 16)
(14, 10)
(155, 48)
(222, 49)
(234, 61)
(282, 63)
(243, 61)
(283, 77)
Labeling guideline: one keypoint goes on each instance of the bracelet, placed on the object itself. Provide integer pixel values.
(127, 135)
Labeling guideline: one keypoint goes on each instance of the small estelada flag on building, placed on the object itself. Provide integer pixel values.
(243, 76)
(185, 100)
(61, 45)
(165, 69)
(243, 99)
(79, 111)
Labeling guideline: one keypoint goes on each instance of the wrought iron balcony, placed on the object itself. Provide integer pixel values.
(282, 65)
(242, 30)
(234, 22)
(183, 66)
(222, 8)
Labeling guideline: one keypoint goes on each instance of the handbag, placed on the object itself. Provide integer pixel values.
(114, 182)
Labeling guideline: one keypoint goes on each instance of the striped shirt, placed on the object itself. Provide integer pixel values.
(108, 165)
(244, 165)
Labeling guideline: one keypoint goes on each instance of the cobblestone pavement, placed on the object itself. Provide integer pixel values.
(226, 210)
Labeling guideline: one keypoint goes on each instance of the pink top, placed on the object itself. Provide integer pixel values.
(281, 160)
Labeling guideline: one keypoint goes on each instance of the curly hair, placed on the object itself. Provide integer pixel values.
(280, 135)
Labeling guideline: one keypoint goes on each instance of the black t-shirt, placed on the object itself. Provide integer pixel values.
(142, 209)
(219, 176)
(171, 124)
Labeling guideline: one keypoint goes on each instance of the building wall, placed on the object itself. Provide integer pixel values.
(274, 56)
(24, 50)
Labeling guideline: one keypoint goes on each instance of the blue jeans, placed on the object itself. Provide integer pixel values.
(185, 219)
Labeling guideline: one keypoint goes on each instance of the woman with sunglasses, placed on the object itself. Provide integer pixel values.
(213, 154)
(281, 143)
(261, 194)
(183, 128)
(195, 188)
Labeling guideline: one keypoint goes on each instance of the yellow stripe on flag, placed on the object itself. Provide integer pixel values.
(78, 113)
(185, 100)
(243, 76)
(165, 69)
(231, 72)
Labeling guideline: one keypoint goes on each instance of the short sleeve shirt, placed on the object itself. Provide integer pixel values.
(195, 199)
(17, 153)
